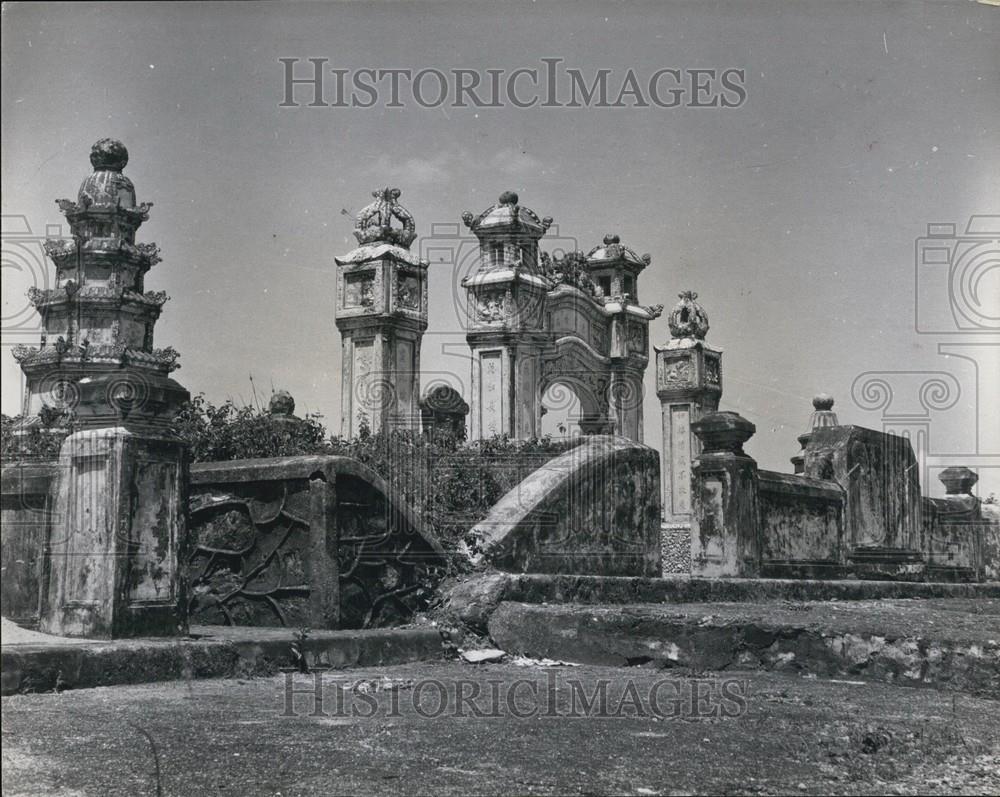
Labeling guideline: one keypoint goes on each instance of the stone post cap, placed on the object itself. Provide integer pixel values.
(723, 432)
(958, 481)
(281, 404)
(444, 399)
(823, 414)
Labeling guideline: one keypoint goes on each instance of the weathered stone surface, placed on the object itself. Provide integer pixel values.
(879, 475)
(469, 602)
(725, 523)
(118, 536)
(594, 509)
(802, 525)
(950, 644)
(27, 515)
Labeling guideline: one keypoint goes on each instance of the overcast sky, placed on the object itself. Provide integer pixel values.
(794, 216)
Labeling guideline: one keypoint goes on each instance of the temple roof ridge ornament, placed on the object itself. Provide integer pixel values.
(374, 222)
(612, 250)
(507, 214)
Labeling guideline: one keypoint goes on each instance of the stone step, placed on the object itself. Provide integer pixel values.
(557, 588)
(469, 602)
(42, 664)
(949, 643)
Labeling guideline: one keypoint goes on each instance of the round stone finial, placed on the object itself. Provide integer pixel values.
(611, 238)
(688, 318)
(823, 401)
(508, 198)
(281, 404)
(108, 154)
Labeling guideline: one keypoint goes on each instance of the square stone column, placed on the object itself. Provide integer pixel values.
(117, 535)
(689, 386)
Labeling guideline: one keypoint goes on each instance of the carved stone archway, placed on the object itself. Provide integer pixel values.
(534, 321)
(571, 363)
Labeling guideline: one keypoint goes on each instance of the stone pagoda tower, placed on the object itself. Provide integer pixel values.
(614, 269)
(382, 317)
(506, 325)
(119, 519)
(96, 365)
(689, 385)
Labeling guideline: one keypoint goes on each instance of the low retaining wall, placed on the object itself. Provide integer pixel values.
(802, 526)
(856, 511)
(320, 542)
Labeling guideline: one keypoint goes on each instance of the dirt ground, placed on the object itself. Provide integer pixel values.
(518, 730)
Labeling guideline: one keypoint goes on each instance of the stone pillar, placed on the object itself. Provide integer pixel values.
(121, 491)
(382, 317)
(725, 522)
(689, 386)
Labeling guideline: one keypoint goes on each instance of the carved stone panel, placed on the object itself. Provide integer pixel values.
(712, 371)
(637, 338)
(680, 460)
(359, 289)
(404, 377)
(491, 393)
(677, 372)
(491, 306)
(408, 291)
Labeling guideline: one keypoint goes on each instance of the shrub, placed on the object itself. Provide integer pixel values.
(451, 484)
(21, 442)
(226, 432)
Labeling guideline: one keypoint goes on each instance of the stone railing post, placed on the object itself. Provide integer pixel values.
(725, 527)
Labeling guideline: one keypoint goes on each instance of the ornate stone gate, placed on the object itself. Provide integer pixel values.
(534, 321)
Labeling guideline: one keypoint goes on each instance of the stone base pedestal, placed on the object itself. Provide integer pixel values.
(117, 536)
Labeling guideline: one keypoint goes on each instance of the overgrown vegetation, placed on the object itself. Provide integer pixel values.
(28, 443)
(451, 483)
